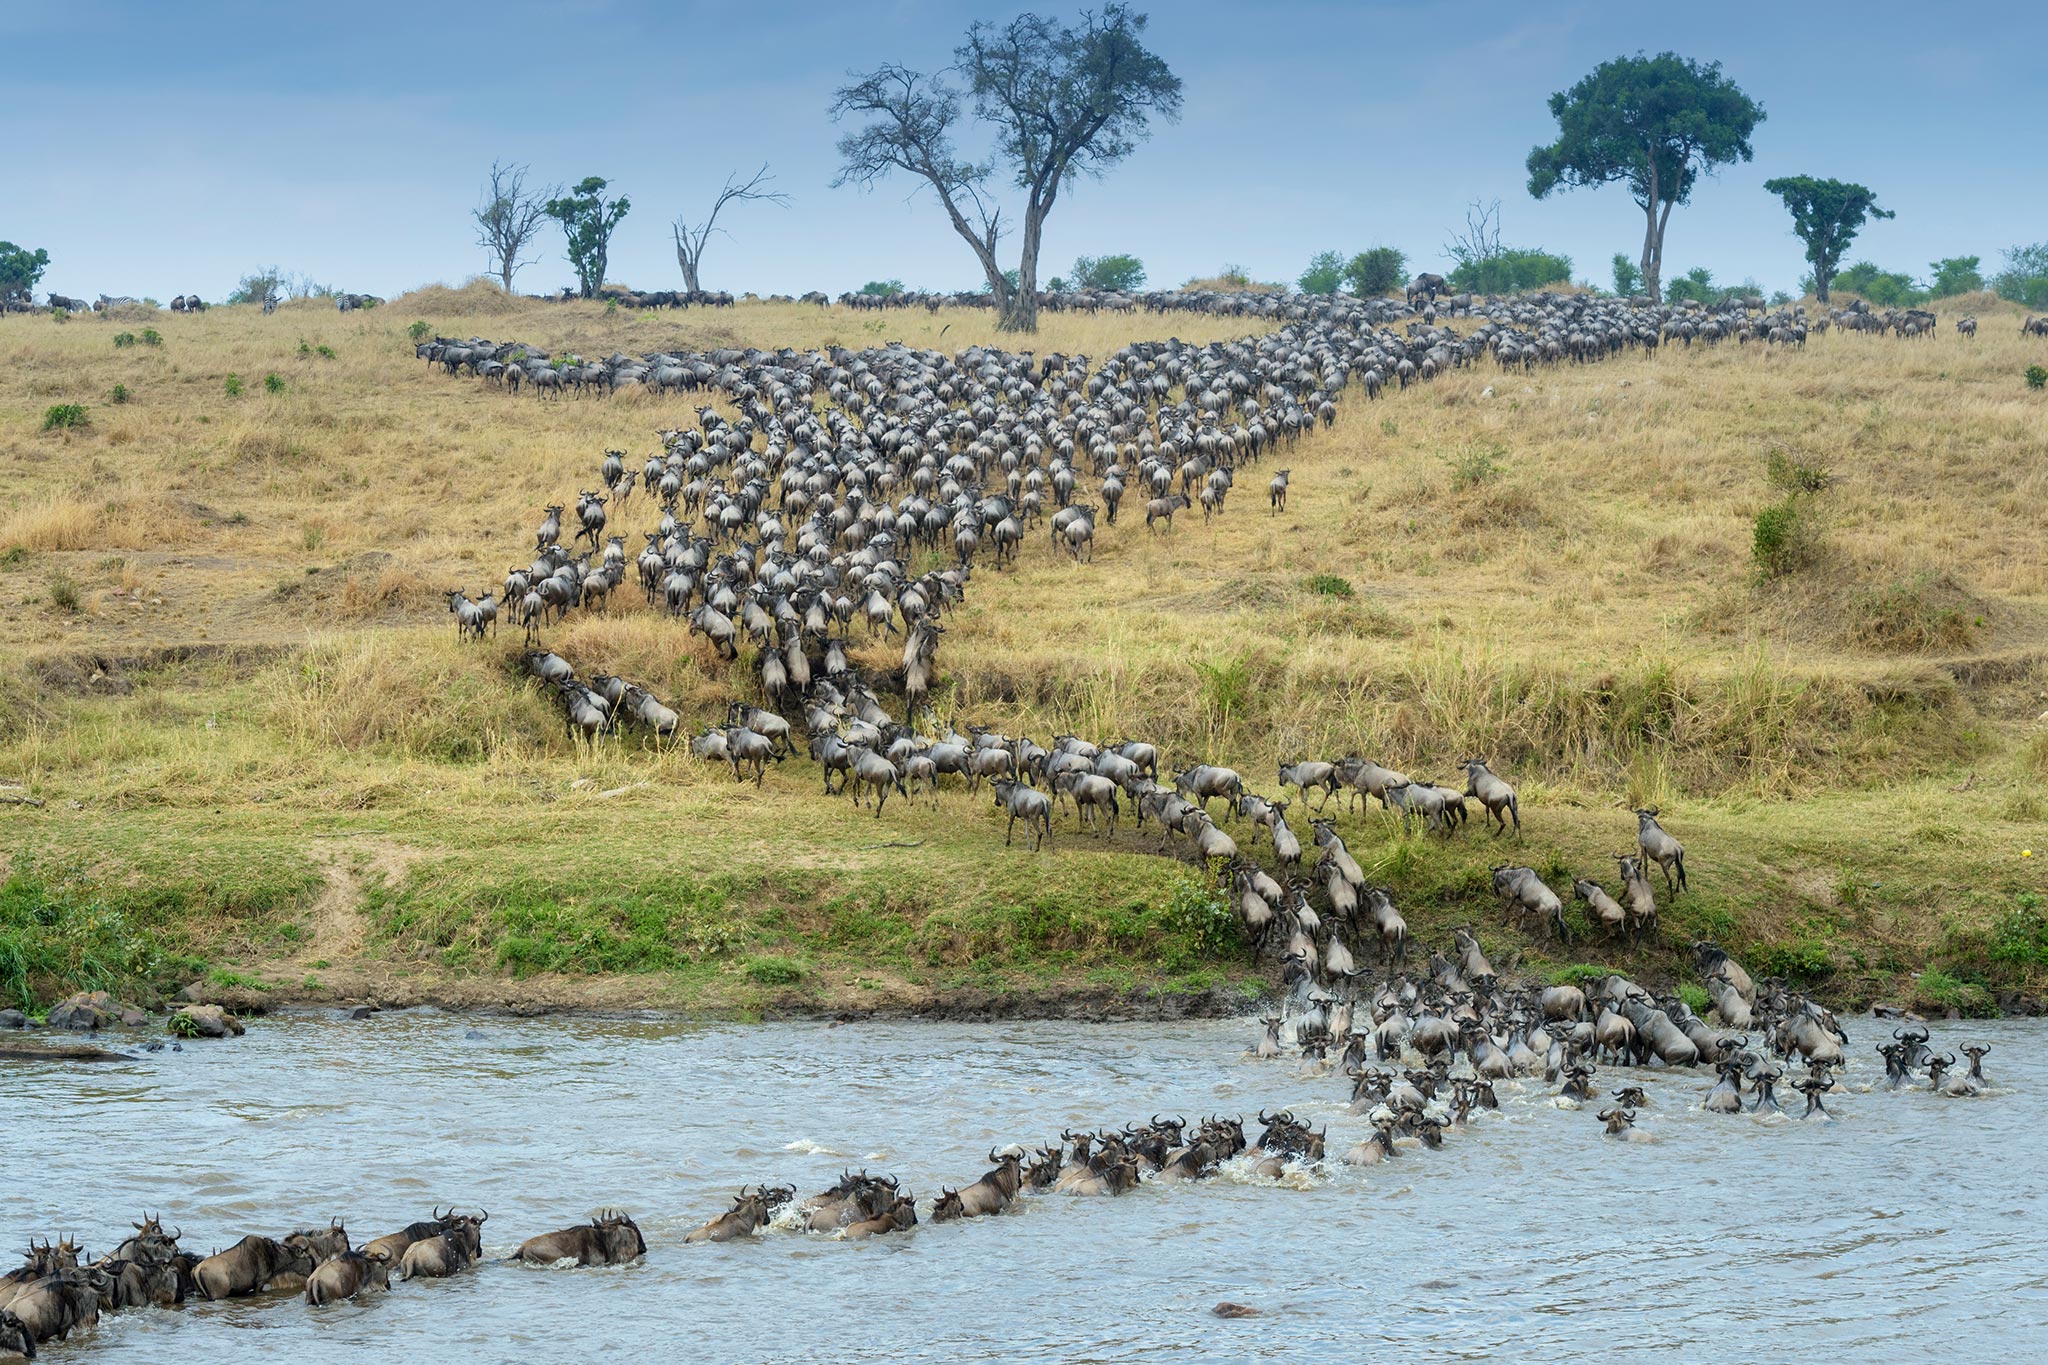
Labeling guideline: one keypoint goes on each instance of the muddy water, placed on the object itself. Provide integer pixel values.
(1909, 1228)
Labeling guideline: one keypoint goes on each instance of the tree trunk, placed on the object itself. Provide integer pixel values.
(1021, 314)
(505, 274)
(1822, 277)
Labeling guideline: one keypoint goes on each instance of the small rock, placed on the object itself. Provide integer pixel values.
(1486, 392)
(153, 1045)
(1227, 1309)
(133, 1018)
(87, 1011)
(13, 1019)
(208, 1021)
(362, 1011)
(473, 1036)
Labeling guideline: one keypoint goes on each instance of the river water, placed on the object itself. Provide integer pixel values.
(1913, 1228)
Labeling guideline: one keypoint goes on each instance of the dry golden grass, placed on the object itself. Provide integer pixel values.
(1553, 569)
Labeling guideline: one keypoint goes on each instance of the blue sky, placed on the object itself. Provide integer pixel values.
(168, 148)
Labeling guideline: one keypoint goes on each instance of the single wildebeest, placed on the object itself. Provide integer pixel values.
(250, 1264)
(747, 1214)
(1660, 848)
(452, 1251)
(990, 1194)
(347, 1275)
(611, 1238)
(1277, 491)
(1034, 808)
(1496, 795)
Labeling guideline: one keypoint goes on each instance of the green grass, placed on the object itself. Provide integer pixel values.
(60, 933)
(66, 417)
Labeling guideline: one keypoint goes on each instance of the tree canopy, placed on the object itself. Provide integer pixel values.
(20, 268)
(2025, 276)
(1324, 274)
(1122, 273)
(1826, 215)
(1062, 102)
(1655, 124)
(1375, 271)
(1628, 276)
(588, 220)
(1955, 275)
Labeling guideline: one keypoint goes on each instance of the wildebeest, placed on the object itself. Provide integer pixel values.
(347, 1275)
(447, 1253)
(749, 1212)
(610, 1238)
(251, 1264)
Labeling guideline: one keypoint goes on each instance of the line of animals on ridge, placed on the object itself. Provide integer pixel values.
(1557, 1031)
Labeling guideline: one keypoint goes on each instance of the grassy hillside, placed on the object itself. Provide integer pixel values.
(234, 685)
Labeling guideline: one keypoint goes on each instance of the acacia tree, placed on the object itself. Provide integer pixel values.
(690, 240)
(1063, 100)
(588, 220)
(508, 218)
(1826, 215)
(1655, 124)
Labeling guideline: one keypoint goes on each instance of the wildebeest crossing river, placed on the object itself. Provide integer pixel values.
(1911, 1226)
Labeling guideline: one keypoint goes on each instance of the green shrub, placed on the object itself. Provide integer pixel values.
(273, 382)
(60, 315)
(2037, 377)
(184, 1026)
(2019, 936)
(227, 980)
(152, 337)
(63, 416)
(1783, 541)
(1202, 919)
(64, 591)
(123, 340)
(233, 385)
(1329, 585)
(1475, 465)
(324, 351)
(419, 332)
(119, 393)
(304, 348)
(1695, 998)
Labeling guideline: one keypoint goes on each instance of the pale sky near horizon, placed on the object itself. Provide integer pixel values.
(160, 149)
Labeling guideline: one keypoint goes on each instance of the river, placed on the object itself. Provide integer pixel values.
(1910, 1229)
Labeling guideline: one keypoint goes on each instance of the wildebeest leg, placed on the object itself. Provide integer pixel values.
(1011, 830)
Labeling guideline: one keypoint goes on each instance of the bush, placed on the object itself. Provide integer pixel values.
(1628, 277)
(1325, 272)
(122, 340)
(1475, 465)
(1121, 272)
(884, 289)
(2037, 377)
(273, 382)
(1329, 585)
(119, 393)
(1512, 270)
(419, 332)
(2019, 937)
(60, 315)
(775, 971)
(152, 337)
(1967, 998)
(63, 591)
(1783, 541)
(324, 351)
(1202, 919)
(62, 416)
(1376, 271)
(233, 385)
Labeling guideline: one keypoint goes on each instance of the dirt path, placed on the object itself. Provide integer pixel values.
(336, 927)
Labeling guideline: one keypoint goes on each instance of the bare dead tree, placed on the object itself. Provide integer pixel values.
(1480, 241)
(508, 218)
(690, 239)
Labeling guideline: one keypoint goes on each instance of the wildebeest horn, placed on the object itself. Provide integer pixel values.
(179, 1233)
(483, 1218)
(1263, 1118)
